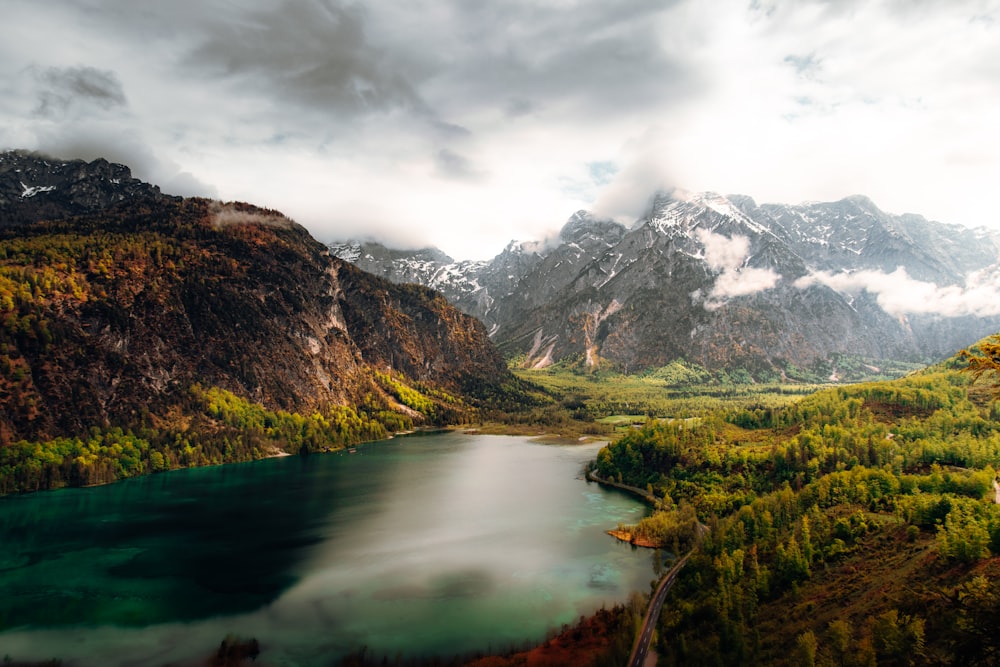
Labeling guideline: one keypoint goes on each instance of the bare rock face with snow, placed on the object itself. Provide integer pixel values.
(33, 187)
(726, 283)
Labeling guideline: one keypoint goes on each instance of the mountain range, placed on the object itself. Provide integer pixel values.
(724, 283)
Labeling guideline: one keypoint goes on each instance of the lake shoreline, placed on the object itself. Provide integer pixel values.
(621, 534)
(272, 453)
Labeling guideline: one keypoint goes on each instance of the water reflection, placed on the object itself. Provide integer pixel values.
(181, 546)
(444, 543)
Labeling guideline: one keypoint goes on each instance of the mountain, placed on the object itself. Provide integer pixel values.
(191, 318)
(429, 267)
(35, 187)
(719, 281)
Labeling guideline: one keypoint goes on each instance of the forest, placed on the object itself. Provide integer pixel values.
(210, 427)
(857, 525)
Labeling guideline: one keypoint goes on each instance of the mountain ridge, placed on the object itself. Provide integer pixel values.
(719, 280)
(34, 186)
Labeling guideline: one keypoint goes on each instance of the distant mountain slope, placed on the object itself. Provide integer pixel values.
(719, 281)
(137, 314)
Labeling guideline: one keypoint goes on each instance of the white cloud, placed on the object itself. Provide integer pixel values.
(898, 294)
(721, 252)
(896, 104)
(728, 256)
(628, 193)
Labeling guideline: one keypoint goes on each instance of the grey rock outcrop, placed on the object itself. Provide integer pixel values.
(36, 187)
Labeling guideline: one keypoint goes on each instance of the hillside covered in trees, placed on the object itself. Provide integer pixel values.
(857, 526)
(158, 333)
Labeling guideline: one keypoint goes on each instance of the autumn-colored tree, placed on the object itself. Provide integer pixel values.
(984, 359)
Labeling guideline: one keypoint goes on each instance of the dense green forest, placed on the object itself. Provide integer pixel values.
(211, 426)
(854, 526)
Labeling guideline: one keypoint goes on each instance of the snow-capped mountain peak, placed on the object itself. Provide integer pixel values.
(680, 211)
(791, 284)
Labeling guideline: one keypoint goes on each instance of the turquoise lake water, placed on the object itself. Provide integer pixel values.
(432, 545)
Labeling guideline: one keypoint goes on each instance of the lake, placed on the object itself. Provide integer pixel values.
(436, 544)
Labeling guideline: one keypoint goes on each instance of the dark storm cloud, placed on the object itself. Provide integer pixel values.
(598, 55)
(310, 53)
(443, 59)
(446, 59)
(64, 87)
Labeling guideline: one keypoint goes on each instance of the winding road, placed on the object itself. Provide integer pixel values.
(641, 647)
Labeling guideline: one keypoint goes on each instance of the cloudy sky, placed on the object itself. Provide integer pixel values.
(465, 124)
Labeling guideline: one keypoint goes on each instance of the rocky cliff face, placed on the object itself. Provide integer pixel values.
(112, 315)
(34, 187)
(720, 281)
